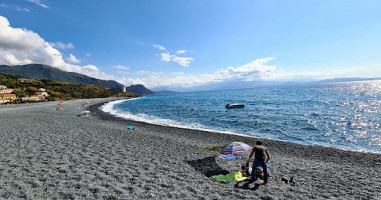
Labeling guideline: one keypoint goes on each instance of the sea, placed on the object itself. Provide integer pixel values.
(341, 115)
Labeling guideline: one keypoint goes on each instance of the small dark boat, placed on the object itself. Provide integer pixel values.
(235, 105)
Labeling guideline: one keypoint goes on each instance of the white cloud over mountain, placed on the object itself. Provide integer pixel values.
(72, 59)
(20, 46)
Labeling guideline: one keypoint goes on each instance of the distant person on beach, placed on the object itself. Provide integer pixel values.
(261, 158)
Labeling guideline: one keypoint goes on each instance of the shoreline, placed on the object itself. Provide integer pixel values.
(220, 132)
(357, 156)
(48, 153)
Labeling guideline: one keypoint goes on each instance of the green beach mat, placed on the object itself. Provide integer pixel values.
(231, 177)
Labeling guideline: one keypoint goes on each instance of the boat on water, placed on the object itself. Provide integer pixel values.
(235, 105)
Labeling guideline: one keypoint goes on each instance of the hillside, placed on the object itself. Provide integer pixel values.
(40, 71)
(138, 89)
(56, 89)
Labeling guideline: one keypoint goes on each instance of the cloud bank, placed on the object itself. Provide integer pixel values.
(256, 70)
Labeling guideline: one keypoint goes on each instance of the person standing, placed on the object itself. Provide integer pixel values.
(261, 158)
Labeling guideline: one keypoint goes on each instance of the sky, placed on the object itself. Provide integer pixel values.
(182, 43)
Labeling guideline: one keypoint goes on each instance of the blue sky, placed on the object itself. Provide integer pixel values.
(183, 43)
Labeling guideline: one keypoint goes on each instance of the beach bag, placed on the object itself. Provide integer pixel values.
(259, 173)
(246, 169)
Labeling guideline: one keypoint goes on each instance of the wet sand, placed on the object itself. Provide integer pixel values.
(48, 153)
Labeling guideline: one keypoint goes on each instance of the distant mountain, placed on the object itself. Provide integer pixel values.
(40, 71)
(138, 89)
(346, 80)
(167, 92)
(228, 85)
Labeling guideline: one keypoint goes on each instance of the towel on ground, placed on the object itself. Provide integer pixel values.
(229, 156)
(231, 177)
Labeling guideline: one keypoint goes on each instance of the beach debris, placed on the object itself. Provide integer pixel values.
(236, 147)
(131, 128)
(292, 180)
(84, 113)
(285, 179)
(212, 148)
(59, 109)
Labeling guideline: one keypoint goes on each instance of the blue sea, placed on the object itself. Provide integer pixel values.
(341, 115)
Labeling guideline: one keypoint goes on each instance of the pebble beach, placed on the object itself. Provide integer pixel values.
(48, 153)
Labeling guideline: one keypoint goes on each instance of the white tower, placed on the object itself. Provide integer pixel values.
(124, 89)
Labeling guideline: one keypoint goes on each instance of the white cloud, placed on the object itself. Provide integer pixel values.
(38, 2)
(183, 61)
(257, 70)
(21, 46)
(60, 45)
(159, 47)
(88, 54)
(121, 67)
(14, 7)
(17, 38)
(72, 59)
(181, 51)
(167, 57)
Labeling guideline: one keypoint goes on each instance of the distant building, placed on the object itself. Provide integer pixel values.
(26, 80)
(5, 98)
(42, 89)
(41, 94)
(32, 98)
(124, 90)
(6, 91)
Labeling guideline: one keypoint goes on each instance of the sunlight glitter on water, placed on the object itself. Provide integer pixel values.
(342, 115)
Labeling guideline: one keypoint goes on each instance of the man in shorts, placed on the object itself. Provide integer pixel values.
(261, 158)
